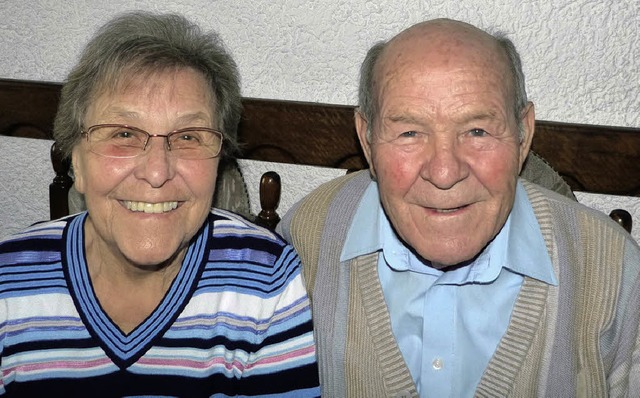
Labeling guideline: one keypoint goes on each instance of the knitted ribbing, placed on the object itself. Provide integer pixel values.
(525, 327)
(370, 337)
(304, 231)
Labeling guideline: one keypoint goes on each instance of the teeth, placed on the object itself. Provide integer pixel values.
(150, 207)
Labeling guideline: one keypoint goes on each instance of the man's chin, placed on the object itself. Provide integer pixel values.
(446, 259)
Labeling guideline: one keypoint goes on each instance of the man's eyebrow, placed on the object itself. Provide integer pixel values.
(463, 117)
(410, 119)
(472, 116)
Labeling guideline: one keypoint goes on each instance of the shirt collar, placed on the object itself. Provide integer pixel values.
(363, 236)
(517, 247)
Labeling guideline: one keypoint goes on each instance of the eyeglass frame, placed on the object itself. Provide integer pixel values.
(86, 132)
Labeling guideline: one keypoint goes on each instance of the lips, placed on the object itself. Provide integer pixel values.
(146, 207)
(447, 210)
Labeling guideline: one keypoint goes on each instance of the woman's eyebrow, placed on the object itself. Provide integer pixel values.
(119, 112)
(192, 117)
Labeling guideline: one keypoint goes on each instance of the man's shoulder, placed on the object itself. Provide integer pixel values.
(322, 218)
(558, 214)
(335, 198)
(556, 202)
(345, 188)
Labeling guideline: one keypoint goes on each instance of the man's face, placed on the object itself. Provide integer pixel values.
(445, 147)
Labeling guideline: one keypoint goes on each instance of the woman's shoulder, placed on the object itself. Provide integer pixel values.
(236, 232)
(33, 258)
(230, 224)
(36, 233)
(247, 251)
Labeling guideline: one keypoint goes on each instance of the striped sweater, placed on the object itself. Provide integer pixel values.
(577, 339)
(235, 321)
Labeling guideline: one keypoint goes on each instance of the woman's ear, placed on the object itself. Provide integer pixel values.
(77, 164)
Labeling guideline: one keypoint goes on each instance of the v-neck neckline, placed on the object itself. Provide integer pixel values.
(126, 348)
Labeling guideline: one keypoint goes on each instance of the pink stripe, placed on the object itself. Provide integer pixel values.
(59, 365)
(187, 363)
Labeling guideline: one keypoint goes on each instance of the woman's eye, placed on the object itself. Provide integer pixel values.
(123, 134)
(186, 137)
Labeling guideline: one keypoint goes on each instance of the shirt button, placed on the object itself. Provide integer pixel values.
(437, 364)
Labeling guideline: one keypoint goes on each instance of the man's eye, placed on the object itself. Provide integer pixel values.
(409, 134)
(477, 133)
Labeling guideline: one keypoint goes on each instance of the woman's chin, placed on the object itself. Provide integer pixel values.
(153, 256)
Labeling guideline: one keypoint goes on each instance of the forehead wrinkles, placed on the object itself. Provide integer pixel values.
(475, 66)
(151, 83)
(138, 97)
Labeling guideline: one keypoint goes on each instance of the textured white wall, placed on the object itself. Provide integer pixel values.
(581, 57)
(24, 182)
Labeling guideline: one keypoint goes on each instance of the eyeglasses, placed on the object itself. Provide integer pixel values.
(122, 141)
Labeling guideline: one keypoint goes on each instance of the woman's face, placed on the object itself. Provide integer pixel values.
(145, 210)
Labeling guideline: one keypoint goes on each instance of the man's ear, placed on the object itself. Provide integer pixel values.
(78, 169)
(528, 122)
(362, 125)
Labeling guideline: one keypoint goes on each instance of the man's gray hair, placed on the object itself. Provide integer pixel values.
(142, 43)
(367, 90)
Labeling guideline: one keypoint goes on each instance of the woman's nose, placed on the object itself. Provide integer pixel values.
(156, 163)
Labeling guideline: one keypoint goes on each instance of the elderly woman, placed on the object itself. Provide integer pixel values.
(150, 292)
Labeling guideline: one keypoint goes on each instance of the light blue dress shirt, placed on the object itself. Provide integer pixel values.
(448, 324)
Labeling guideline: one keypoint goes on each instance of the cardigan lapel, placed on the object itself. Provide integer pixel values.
(394, 373)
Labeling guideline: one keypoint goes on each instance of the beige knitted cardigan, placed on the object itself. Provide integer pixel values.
(575, 339)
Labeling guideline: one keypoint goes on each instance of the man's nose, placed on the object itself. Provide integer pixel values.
(444, 166)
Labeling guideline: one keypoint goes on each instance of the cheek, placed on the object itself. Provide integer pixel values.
(497, 173)
(201, 178)
(101, 175)
(396, 171)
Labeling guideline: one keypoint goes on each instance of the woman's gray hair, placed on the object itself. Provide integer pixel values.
(367, 93)
(145, 43)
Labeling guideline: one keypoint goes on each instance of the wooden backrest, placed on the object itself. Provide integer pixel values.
(596, 159)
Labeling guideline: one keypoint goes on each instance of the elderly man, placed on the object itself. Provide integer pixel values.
(439, 272)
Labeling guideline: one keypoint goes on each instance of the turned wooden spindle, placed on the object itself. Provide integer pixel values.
(623, 218)
(270, 188)
(59, 188)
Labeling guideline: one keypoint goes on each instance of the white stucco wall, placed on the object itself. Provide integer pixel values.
(581, 58)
